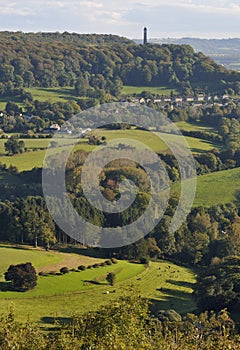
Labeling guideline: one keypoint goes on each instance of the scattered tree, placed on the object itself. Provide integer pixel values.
(13, 146)
(23, 277)
(111, 278)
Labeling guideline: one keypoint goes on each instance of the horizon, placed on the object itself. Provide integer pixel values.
(183, 18)
(165, 37)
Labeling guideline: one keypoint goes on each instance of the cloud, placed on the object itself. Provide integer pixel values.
(117, 17)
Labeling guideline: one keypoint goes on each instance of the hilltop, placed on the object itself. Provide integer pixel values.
(98, 64)
(223, 51)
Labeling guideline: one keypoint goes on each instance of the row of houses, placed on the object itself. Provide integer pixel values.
(201, 98)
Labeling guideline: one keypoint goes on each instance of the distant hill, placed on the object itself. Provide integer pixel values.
(103, 63)
(66, 37)
(223, 51)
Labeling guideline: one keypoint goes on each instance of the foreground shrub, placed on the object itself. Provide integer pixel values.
(64, 270)
(81, 267)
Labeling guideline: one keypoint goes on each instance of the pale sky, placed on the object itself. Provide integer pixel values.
(164, 18)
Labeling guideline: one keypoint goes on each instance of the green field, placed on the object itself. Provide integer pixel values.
(64, 295)
(40, 258)
(160, 90)
(29, 160)
(63, 94)
(187, 126)
(215, 188)
(58, 94)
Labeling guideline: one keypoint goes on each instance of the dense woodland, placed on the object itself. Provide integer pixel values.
(96, 64)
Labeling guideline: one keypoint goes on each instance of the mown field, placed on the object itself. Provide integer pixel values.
(58, 94)
(215, 188)
(59, 297)
(160, 90)
(190, 126)
(35, 157)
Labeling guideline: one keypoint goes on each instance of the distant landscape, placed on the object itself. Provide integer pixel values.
(222, 51)
(170, 287)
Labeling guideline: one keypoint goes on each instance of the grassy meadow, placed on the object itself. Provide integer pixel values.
(61, 296)
(160, 90)
(58, 94)
(35, 157)
(215, 188)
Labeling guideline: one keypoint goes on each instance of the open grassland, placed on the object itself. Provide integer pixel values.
(61, 296)
(155, 140)
(41, 259)
(190, 126)
(215, 188)
(58, 94)
(160, 90)
(34, 158)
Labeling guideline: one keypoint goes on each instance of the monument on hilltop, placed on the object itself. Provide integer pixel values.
(145, 40)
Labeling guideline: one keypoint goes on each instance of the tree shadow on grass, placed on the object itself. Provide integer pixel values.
(93, 253)
(15, 246)
(57, 322)
(5, 287)
(95, 282)
(181, 283)
(179, 300)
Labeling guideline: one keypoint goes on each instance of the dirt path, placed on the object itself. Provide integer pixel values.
(71, 261)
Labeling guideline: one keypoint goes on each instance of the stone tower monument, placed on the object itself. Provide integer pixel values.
(145, 36)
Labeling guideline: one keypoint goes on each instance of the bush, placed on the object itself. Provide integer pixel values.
(23, 277)
(41, 273)
(95, 266)
(169, 315)
(103, 264)
(81, 267)
(108, 262)
(145, 261)
(111, 278)
(64, 270)
(114, 261)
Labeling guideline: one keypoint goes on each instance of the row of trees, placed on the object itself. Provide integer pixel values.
(207, 233)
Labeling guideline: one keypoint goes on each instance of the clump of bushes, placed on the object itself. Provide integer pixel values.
(145, 261)
(114, 261)
(81, 268)
(64, 270)
(108, 262)
(95, 266)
